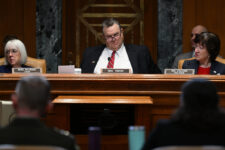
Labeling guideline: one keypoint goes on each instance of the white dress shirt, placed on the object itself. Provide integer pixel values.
(121, 60)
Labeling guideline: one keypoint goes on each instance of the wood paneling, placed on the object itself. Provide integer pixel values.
(150, 27)
(208, 13)
(17, 17)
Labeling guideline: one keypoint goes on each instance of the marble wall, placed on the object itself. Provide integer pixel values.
(169, 31)
(49, 32)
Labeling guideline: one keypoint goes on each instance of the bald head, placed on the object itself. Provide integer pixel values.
(197, 30)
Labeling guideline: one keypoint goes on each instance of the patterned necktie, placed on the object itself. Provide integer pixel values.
(111, 61)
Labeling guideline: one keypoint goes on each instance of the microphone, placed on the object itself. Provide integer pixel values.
(109, 58)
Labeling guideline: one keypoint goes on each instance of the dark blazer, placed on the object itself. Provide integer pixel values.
(139, 57)
(216, 67)
(168, 133)
(8, 68)
(30, 131)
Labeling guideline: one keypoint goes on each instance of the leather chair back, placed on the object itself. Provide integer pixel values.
(33, 62)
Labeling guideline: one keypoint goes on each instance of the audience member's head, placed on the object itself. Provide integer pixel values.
(31, 96)
(15, 53)
(196, 31)
(113, 33)
(199, 104)
(210, 42)
(199, 94)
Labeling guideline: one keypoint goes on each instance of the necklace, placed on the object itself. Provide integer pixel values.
(206, 66)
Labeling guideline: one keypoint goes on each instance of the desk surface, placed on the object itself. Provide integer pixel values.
(115, 76)
(136, 84)
(162, 88)
(103, 100)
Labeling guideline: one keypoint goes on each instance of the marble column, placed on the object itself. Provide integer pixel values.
(49, 33)
(169, 31)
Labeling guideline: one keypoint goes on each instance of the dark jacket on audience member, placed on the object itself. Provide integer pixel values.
(169, 133)
(30, 131)
(216, 67)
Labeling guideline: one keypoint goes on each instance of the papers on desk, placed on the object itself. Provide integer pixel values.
(66, 69)
(70, 69)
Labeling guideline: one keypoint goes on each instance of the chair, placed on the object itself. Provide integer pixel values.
(28, 147)
(7, 112)
(221, 60)
(181, 62)
(204, 147)
(33, 62)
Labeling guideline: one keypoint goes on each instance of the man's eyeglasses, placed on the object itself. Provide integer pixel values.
(111, 37)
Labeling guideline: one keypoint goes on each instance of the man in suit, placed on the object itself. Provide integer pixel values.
(133, 57)
(195, 31)
(31, 101)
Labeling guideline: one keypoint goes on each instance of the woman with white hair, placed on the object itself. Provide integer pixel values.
(15, 56)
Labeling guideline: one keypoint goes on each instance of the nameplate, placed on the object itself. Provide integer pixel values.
(115, 71)
(26, 70)
(66, 69)
(179, 71)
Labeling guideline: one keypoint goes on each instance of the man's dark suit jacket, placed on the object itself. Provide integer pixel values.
(30, 131)
(216, 67)
(168, 133)
(139, 57)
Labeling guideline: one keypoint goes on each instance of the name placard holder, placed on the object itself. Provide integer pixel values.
(26, 70)
(179, 71)
(115, 71)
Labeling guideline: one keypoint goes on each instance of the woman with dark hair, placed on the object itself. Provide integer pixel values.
(198, 121)
(206, 50)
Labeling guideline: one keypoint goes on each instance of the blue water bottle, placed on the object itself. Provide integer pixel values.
(136, 137)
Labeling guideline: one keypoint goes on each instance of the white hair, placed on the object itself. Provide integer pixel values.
(20, 47)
